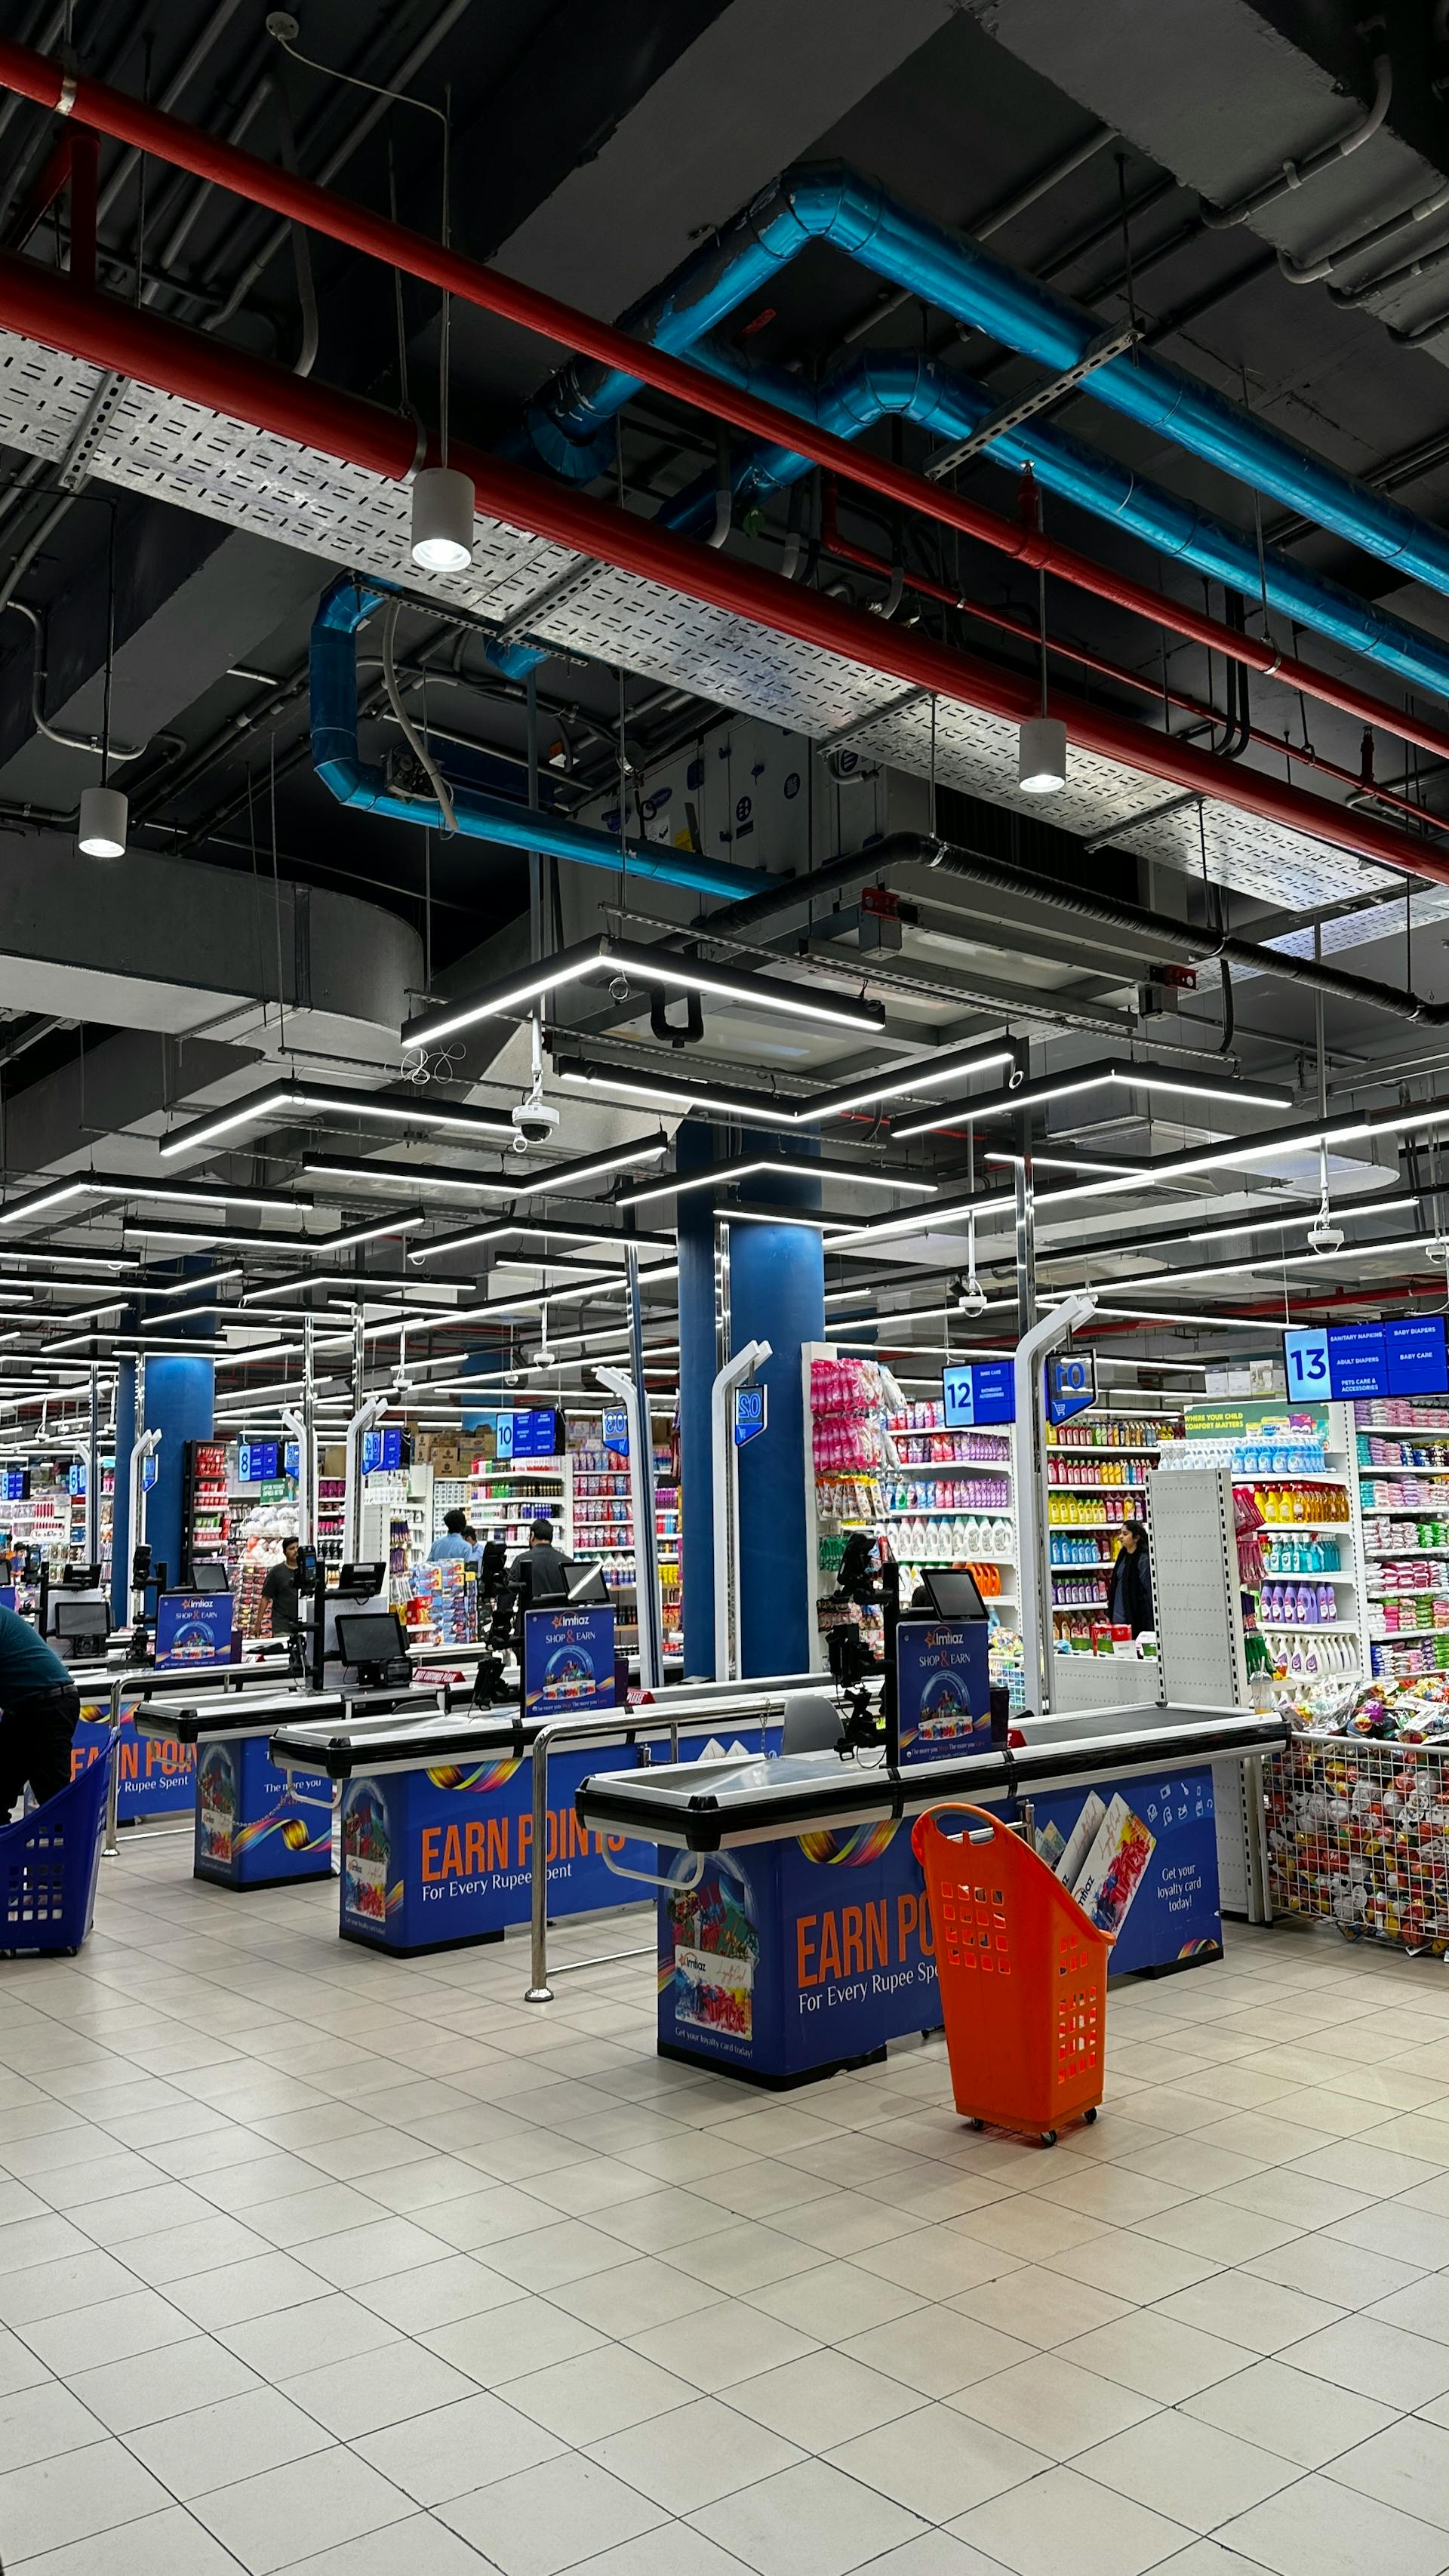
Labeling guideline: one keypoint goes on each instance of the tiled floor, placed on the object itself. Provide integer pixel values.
(316, 2262)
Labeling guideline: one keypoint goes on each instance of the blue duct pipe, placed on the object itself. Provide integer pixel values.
(870, 385)
(960, 277)
(363, 783)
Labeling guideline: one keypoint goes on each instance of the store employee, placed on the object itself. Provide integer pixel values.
(39, 1710)
(280, 1588)
(541, 1573)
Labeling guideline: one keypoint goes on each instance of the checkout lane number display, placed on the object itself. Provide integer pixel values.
(979, 1393)
(1355, 1361)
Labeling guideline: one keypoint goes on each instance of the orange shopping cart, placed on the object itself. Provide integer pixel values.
(1023, 1978)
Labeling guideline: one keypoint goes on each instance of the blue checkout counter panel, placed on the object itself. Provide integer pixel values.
(437, 1810)
(794, 1936)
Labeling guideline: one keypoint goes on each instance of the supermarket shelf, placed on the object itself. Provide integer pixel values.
(940, 1511)
(1084, 1526)
(1312, 1628)
(1391, 1555)
(1320, 1529)
(1123, 1485)
(1387, 1466)
(1101, 1449)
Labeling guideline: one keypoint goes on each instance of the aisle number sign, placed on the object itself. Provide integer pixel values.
(1347, 1362)
(1071, 1384)
(752, 1412)
(982, 1392)
(616, 1431)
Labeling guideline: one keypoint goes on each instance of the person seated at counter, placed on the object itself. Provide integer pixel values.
(455, 1539)
(39, 1713)
(539, 1574)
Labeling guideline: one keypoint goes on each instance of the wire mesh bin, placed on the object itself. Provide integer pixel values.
(1023, 1978)
(49, 1862)
(1358, 1835)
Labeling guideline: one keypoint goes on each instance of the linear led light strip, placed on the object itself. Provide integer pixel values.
(920, 1077)
(316, 1245)
(386, 1110)
(506, 999)
(1094, 1077)
(1270, 1261)
(1283, 1217)
(181, 1193)
(744, 1166)
(538, 1184)
(471, 1237)
(1170, 1167)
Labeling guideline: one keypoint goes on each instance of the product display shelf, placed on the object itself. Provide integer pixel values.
(932, 1497)
(261, 1536)
(506, 1496)
(1402, 1460)
(1081, 1455)
(450, 1494)
(328, 1534)
(1311, 1606)
(205, 1505)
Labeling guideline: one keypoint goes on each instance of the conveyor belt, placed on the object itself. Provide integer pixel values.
(373, 1745)
(715, 1806)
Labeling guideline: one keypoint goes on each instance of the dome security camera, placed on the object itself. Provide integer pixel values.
(1323, 1234)
(971, 1297)
(619, 990)
(534, 1122)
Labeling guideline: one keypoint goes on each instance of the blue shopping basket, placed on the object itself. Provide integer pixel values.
(50, 1861)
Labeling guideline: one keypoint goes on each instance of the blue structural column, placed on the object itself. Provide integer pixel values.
(179, 1401)
(694, 1150)
(777, 1294)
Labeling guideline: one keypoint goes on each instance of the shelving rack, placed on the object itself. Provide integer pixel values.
(1403, 1515)
(505, 1496)
(1300, 1525)
(205, 1506)
(1080, 1581)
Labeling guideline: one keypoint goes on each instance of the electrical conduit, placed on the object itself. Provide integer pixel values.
(342, 611)
(201, 370)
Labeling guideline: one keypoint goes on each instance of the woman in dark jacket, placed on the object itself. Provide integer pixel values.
(1129, 1593)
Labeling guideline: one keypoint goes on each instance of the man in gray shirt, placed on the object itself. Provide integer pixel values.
(540, 1574)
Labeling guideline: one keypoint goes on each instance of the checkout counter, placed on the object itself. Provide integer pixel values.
(794, 1937)
(437, 1809)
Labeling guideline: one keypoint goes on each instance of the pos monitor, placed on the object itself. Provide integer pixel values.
(208, 1574)
(371, 1637)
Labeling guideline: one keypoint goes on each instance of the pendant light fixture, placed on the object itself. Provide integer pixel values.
(104, 816)
(1041, 742)
(443, 499)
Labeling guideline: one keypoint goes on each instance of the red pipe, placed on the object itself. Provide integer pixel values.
(262, 183)
(175, 360)
(1009, 622)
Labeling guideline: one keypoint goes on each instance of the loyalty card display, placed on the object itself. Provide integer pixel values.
(1355, 1361)
(568, 1661)
(943, 1686)
(194, 1628)
(985, 1391)
(1142, 1862)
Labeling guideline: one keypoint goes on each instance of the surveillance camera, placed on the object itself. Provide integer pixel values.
(514, 1376)
(543, 1358)
(1324, 1235)
(619, 989)
(534, 1122)
(972, 1298)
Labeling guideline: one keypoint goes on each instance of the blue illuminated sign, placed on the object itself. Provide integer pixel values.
(982, 1392)
(381, 1452)
(1071, 1384)
(257, 1462)
(752, 1413)
(1351, 1362)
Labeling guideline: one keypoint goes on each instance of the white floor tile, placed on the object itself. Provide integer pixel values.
(74, 2496)
(1063, 2520)
(453, 2449)
(1192, 2471)
(258, 2430)
(271, 2521)
(169, 2543)
(1406, 2465)
(552, 2517)
(938, 2462)
(1321, 2528)
(1054, 2406)
(808, 2521)
(1301, 2418)
(694, 2455)
(39, 2423)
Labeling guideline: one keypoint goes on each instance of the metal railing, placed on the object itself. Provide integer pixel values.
(651, 1718)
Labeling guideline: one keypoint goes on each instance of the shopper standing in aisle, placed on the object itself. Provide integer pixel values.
(280, 1588)
(455, 1539)
(1129, 1593)
(39, 1712)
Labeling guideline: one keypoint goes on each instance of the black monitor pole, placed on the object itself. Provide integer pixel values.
(890, 1576)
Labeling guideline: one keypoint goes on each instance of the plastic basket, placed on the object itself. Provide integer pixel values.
(1023, 1978)
(49, 1863)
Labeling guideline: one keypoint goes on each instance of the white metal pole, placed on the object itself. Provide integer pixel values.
(724, 1463)
(646, 1595)
(1057, 1326)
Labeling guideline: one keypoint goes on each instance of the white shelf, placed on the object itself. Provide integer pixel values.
(1387, 1555)
(1123, 1486)
(1381, 1467)
(1104, 1449)
(1084, 1528)
(1312, 1628)
(1311, 1529)
(940, 1511)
